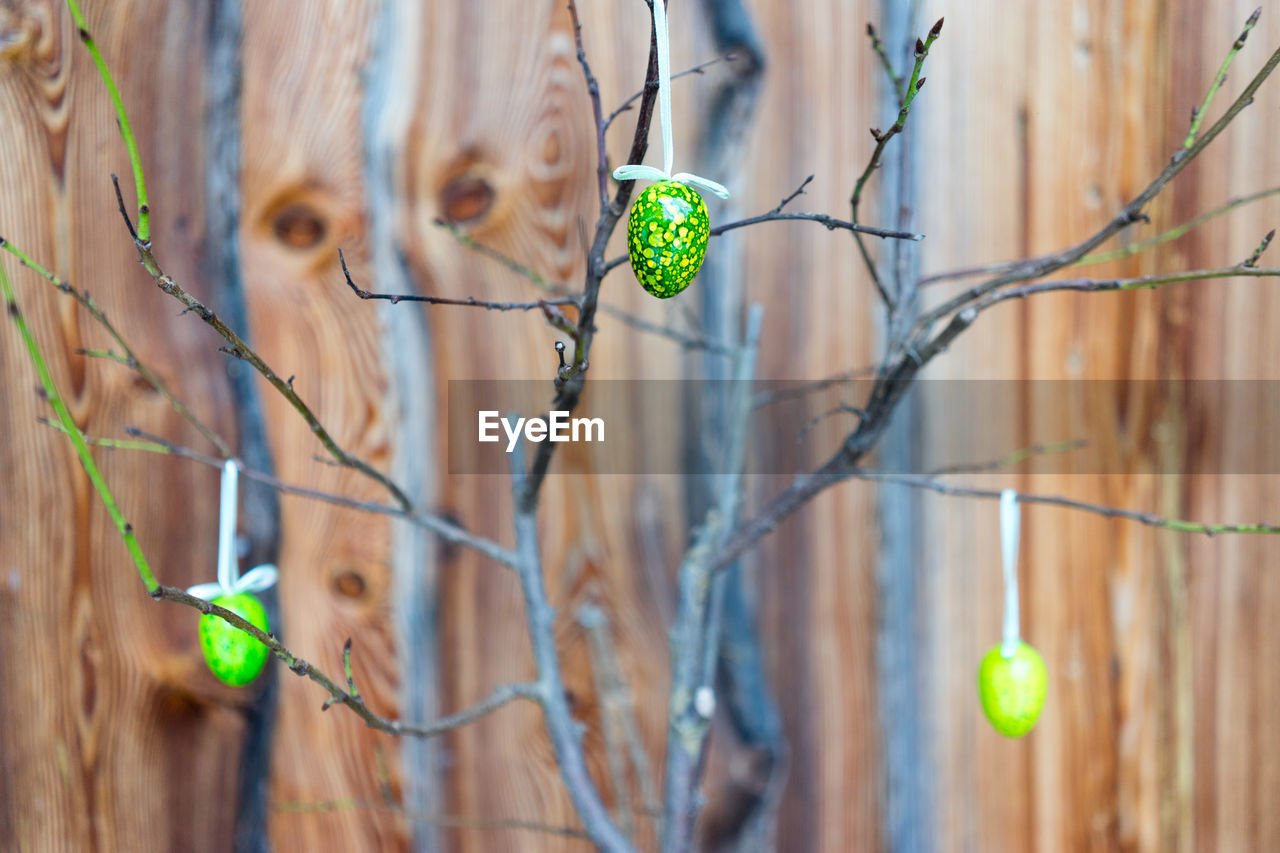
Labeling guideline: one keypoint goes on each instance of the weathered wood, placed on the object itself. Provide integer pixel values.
(301, 202)
(1037, 123)
(114, 735)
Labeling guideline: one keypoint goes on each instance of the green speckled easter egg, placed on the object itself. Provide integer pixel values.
(234, 656)
(1013, 689)
(667, 237)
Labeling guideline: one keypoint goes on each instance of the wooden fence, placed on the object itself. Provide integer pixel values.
(275, 132)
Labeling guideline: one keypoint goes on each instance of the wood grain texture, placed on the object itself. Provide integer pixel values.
(1038, 122)
(301, 202)
(107, 707)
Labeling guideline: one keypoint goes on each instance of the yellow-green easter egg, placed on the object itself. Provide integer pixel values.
(667, 237)
(233, 655)
(1013, 689)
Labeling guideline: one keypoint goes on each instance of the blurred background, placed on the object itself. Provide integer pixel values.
(274, 133)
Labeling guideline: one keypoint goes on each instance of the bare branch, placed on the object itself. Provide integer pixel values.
(1147, 518)
(1197, 113)
(696, 69)
(1117, 255)
(471, 301)
(799, 191)
(1011, 459)
(1148, 282)
(907, 95)
(337, 695)
(894, 77)
(130, 358)
(448, 531)
(593, 90)
(1132, 212)
(566, 740)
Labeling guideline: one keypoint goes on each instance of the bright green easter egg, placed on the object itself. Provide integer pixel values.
(233, 655)
(1013, 689)
(667, 237)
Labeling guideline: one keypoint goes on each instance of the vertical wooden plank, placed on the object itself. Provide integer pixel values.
(303, 197)
(1107, 767)
(505, 122)
(1228, 334)
(817, 585)
(115, 734)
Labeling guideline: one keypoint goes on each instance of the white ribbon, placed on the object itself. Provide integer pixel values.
(649, 173)
(1010, 522)
(229, 580)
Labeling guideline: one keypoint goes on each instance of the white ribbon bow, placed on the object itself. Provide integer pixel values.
(229, 580)
(640, 172)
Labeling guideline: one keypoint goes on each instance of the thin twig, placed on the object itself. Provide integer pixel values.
(470, 301)
(1147, 518)
(894, 77)
(1147, 282)
(907, 97)
(449, 531)
(515, 266)
(565, 738)
(1010, 459)
(799, 191)
(1197, 113)
(696, 633)
(142, 235)
(696, 69)
(831, 223)
(1131, 213)
(800, 389)
(73, 430)
(1256, 255)
(690, 342)
(597, 110)
(500, 696)
(1127, 251)
(130, 357)
(569, 382)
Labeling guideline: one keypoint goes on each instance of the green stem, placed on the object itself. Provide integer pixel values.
(112, 443)
(130, 358)
(908, 97)
(878, 46)
(126, 130)
(1198, 115)
(77, 437)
